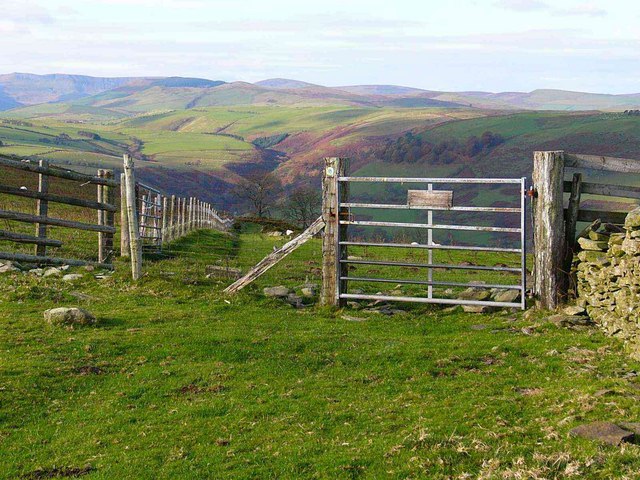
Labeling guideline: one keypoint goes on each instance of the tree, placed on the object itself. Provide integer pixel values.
(260, 190)
(1, 144)
(303, 206)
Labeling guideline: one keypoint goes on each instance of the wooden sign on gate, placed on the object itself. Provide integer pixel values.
(430, 198)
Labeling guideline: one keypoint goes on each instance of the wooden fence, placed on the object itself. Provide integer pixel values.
(104, 204)
(151, 219)
(555, 220)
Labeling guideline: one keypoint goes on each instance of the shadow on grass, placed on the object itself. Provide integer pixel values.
(218, 245)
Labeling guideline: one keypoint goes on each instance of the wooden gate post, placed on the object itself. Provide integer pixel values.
(42, 207)
(331, 267)
(550, 279)
(132, 215)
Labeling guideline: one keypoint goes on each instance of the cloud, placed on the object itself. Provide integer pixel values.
(588, 10)
(25, 12)
(522, 5)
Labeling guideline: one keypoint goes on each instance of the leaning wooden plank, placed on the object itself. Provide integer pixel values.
(270, 260)
(606, 217)
(52, 197)
(27, 218)
(56, 172)
(21, 238)
(620, 191)
(430, 198)
(596, 162)
(20, 257)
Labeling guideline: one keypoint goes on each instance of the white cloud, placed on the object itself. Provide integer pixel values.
(522, 5)
(589, 10)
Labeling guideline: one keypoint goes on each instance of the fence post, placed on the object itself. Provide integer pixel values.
(331, 251)
(183, 223)
(132, 214)
(42, 208)
(106, 244)
(124, 220)
(550, 279)
(571, 220)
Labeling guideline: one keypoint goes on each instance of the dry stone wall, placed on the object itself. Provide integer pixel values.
(608, 279)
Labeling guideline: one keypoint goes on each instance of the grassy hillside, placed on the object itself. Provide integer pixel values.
(180, 381)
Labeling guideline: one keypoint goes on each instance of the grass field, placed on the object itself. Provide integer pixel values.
(178, 381)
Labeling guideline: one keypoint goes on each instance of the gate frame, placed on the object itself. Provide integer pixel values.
(335, 213)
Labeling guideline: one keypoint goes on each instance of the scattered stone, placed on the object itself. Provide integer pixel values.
(7, 267)
(349, 318)
(51, 272)
(69, 316)
(473, 293)
(38, 272)
(354, 305)
(295, 300)
(478, 327)
(606, 432)
(219, 271)
(89, 268)
(574, 310)
(477, 308)
(71, 277)
(563, 320)
(275, 234)
(83, 297)
(308, 292)
(508, 296)
(277, 292)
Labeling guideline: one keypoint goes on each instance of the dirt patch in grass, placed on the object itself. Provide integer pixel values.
(200, 389)
(59, 472)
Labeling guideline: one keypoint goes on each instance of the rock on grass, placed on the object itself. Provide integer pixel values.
(606, 432)
(69, 316)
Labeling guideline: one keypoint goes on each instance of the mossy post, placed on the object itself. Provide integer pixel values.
(332, 195)
(550, 277)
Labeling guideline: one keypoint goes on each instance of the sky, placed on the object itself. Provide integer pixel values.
(454, 45)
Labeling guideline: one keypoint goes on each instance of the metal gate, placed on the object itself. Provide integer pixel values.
(150, 214)
(438, 202)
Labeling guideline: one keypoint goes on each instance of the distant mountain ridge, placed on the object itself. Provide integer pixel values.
(126, 96)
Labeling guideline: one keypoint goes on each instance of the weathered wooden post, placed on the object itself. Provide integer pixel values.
(571, 221)
(132, 216)
(183, 227)
(332, 194)
(105, 194)
(172, 212)
(124, 220)
(42, 207)
(550, 278)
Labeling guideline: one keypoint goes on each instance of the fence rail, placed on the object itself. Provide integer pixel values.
(104, 204)
(151, 219)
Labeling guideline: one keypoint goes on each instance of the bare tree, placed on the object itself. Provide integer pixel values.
(260, 190)
(303, 206)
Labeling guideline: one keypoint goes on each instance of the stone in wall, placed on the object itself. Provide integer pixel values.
(607, 271)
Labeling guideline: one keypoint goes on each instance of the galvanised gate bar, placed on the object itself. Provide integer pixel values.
(431, 200)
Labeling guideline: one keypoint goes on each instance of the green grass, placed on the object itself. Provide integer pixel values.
(179, 381)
